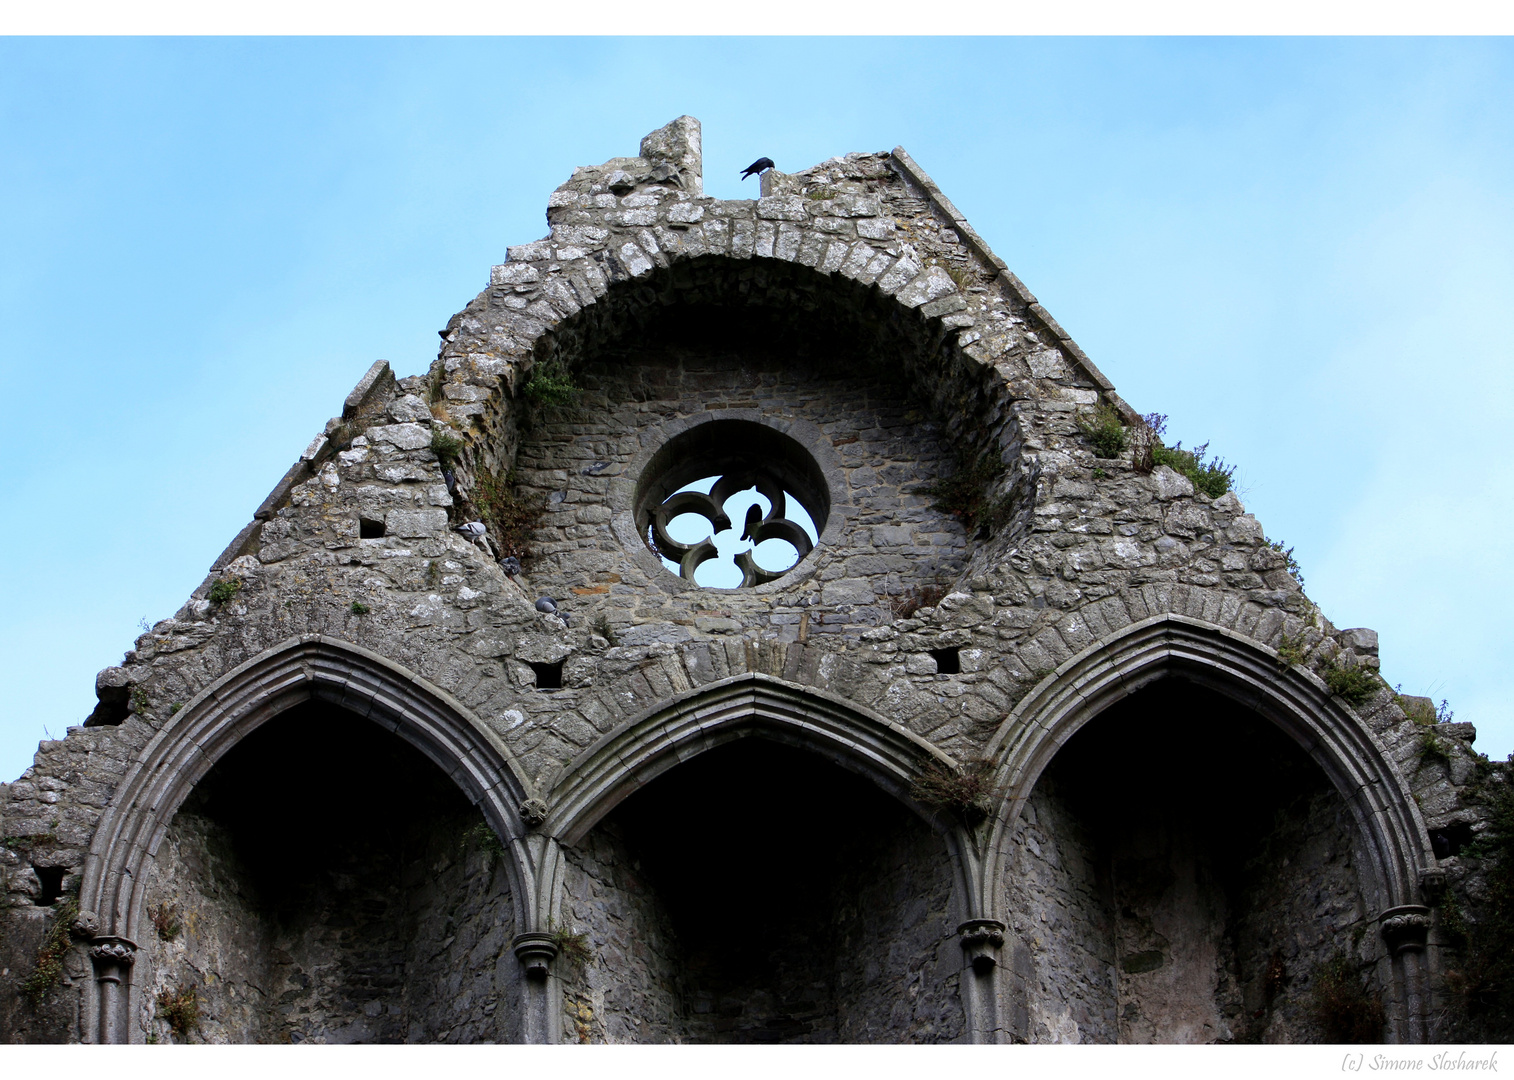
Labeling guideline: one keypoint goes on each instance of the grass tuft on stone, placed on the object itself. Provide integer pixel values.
(1350, 681)
(1289, 561)
(1211, 477)
(552, 385)
(512, 517)
(165, 920)
(486, 840)
(1290, 650)
(446, 446)
(574, 948)
(47, 972)
(967, 792)
(1104, 431)
(224, 590)
(180, 1009)
(965, 494)
(912, 600)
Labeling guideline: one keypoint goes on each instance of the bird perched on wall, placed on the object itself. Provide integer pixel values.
(549, 606)
(510, 565)
(762, 164)
(753, 519)
(475, 533)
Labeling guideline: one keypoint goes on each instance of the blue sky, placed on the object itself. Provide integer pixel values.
(1301, 250)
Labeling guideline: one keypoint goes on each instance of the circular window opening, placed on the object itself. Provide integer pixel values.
(731, 503)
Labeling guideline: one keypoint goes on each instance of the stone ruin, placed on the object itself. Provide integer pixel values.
(997, 731)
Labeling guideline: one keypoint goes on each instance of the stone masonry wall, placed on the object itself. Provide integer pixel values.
(631, 990)
(893, 539)
(1061, 949)
(898, 960)
(861, 248)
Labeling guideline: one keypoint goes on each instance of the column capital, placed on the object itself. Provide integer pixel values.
(981, 939)
(109, 950)
(1405, 928)
(536, 953)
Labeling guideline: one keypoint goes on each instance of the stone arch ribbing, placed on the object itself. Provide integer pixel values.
(1294, 699)
(646, 746)
(968, 393)
(313, 667)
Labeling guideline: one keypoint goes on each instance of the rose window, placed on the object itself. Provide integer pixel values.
(731, 504)
(695, 527)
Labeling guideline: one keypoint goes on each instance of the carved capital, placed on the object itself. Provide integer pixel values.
(981, 939)
(1405, 928)
(112, 952)
(535, 953)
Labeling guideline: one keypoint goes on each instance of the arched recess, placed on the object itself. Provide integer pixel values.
(645, 746)
(759, 706)
(309, 668)
(778, 298)
(1292, 698)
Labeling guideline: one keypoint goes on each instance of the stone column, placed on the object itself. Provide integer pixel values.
(980, 985)
(536, 951)
(1406, 929)
(113, 959)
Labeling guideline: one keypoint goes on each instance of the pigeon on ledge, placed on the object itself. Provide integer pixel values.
(510, 565)
(548, 605)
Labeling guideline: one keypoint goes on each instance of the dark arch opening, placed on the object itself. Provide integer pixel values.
(326, 882)
(760, 894)
(1191, 876)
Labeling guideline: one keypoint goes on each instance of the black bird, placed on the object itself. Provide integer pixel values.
(510, 565)
(753, 519)
(762, 164)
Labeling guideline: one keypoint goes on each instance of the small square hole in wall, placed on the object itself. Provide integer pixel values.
(51, 880)
(947, 661)
(368, 529)
(548, 676)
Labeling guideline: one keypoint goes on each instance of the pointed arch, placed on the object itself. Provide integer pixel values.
(309, 668)
(1293, 698)
(649, 744)
(645, 746)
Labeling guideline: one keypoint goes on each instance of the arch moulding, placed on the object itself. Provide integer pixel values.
(1293, 698)
(757, 705)
(309, 668)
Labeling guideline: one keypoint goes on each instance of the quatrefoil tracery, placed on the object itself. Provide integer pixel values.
(772, 526)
